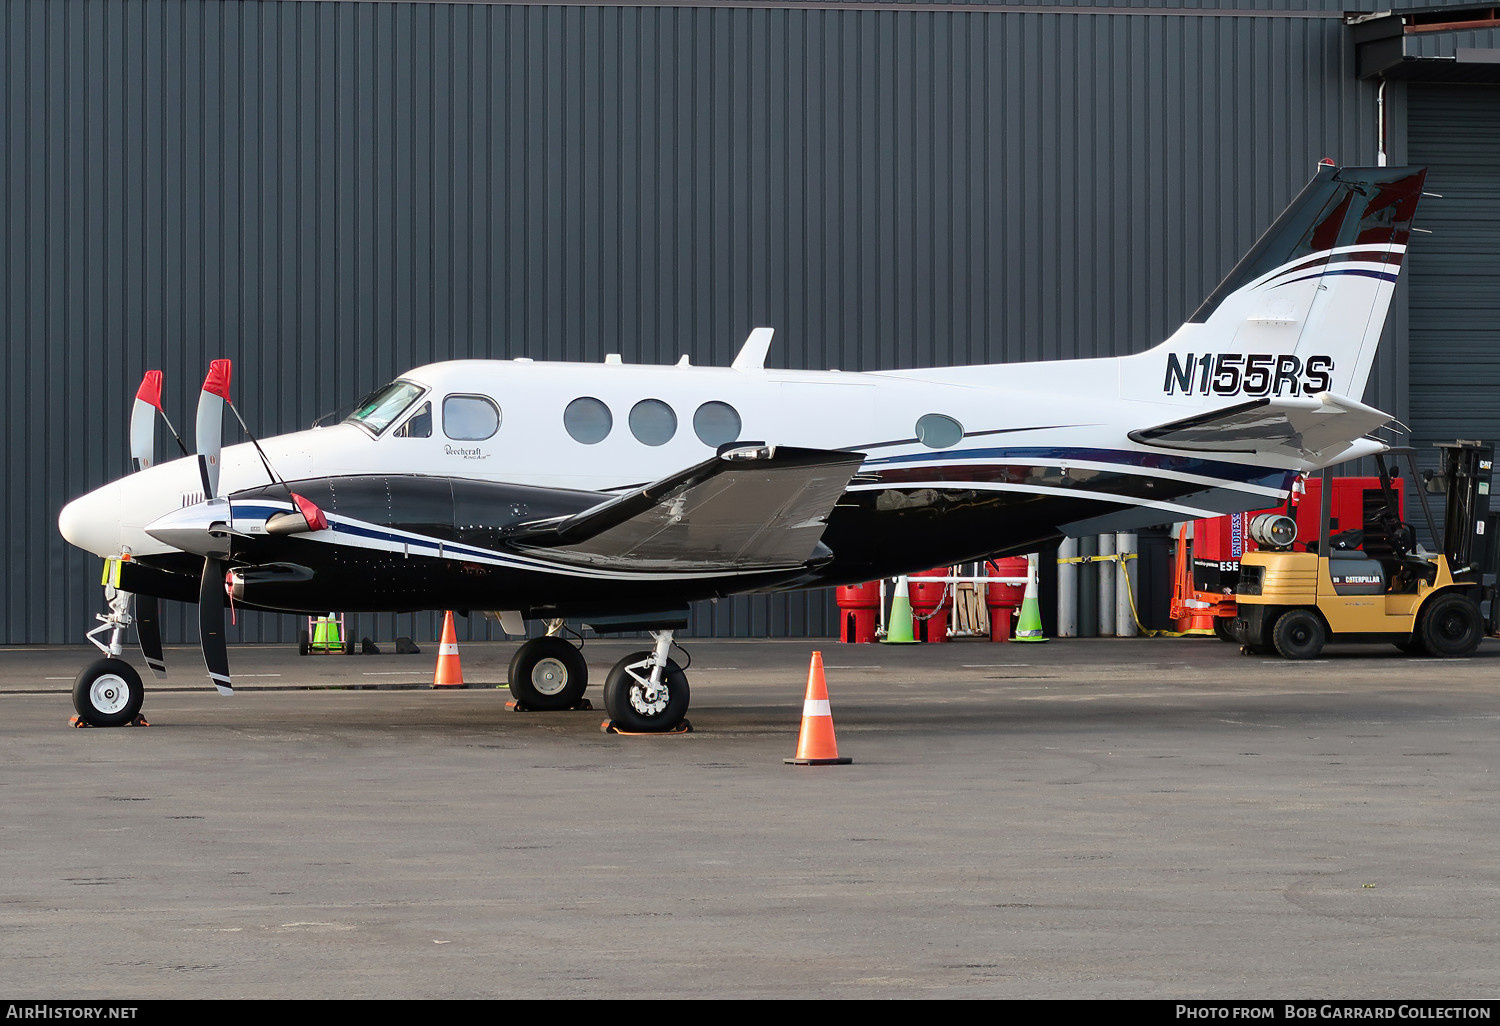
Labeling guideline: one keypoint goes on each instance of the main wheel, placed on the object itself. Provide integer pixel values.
(632, 709)
(548, 673)
(1450, 626)
(1299, 634)
(108, 693)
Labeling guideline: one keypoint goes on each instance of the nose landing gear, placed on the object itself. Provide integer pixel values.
(109, 692)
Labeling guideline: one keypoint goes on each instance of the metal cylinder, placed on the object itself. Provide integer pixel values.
(1088, 589)
(1125, 576)
(1067, 589)
(1106, 586)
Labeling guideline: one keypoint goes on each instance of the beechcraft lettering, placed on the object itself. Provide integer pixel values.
(1253, 374)
(614, 495)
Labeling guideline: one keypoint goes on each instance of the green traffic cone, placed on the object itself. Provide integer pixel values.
(899, 631)
(1029, 627)
(325, 635)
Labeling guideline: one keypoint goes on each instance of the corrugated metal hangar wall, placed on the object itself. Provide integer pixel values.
(331, 192)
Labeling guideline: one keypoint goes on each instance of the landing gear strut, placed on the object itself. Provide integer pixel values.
(646, 692)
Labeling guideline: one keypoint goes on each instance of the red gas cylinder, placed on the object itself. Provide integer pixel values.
(859, 612)
(1004, 599)
(930, 602)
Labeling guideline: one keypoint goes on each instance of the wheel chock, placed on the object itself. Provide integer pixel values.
(608, 727)
(515, 705)
(139, 721)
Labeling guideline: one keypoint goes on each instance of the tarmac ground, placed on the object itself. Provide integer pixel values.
(1079, 819)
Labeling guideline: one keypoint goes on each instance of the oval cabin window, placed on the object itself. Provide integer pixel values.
(938, 432)
(588, 420)
(716, 424)
(653, 422)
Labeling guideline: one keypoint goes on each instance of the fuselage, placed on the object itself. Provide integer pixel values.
(425, 480)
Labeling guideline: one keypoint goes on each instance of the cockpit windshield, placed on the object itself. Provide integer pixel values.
(377, 410)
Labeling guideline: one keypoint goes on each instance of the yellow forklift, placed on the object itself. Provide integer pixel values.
(1373, 583)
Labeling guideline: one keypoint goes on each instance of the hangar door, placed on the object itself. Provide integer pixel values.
(1454, 373)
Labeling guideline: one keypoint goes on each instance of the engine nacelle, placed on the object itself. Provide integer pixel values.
(271, 586)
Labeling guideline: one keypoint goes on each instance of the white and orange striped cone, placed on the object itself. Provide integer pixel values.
(449, 673)
(816, 745)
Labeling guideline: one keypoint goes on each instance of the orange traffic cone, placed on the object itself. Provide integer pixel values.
(816, 745)
(449, 674)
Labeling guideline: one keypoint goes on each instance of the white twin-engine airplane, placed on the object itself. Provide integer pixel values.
(618, 494)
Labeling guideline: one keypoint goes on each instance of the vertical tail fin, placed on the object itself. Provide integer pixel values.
(1302, 312)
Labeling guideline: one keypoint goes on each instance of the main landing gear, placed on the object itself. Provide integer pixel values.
(547, 674)
(644, 693)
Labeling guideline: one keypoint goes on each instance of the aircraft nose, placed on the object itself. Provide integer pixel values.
(92, 521)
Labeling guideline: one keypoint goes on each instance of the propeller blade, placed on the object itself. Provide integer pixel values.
(211, 625)
(143, 420)
(148, 633)
(210, 430)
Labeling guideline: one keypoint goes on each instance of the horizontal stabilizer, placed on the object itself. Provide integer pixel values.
(751, 507)
(1312, 428)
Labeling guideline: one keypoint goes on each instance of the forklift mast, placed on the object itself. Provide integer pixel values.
(1465, 477)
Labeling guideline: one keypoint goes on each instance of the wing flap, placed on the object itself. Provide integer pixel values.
(1311, 428)
(748, 508)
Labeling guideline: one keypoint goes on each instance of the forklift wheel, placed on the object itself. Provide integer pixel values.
(1299, 634)
(1450, 626)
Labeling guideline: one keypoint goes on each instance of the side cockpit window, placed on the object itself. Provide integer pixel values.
(470, 418)
(418, 425)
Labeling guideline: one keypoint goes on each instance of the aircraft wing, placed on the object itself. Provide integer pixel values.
(1308, 428)
(751, 507)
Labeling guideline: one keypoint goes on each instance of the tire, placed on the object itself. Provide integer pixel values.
(1224, 630)
(627, 706)
(548, 673)
(108, 693)
(1299, 634)
(304, 642)
(1450, 626)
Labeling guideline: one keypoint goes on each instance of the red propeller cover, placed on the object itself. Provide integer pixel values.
(150, 389)
(217, 381)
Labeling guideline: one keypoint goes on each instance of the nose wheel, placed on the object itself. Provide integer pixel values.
(108, 693)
